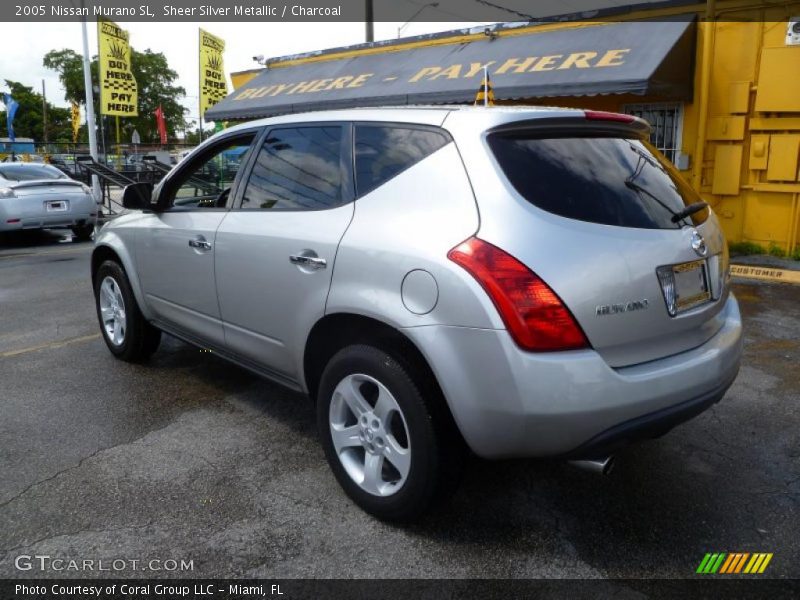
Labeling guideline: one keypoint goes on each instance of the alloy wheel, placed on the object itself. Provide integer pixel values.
(370, 435)
(112, 311)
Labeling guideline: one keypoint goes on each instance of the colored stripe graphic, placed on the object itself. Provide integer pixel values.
(703, 563)
(732, 559)
(758, 563)
(741, 562)
(753, 561)
(765, 563)
(718, 563)
(711, 563)
(734, 563)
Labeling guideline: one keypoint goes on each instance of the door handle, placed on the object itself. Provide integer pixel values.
(312, 262)
(200, 244)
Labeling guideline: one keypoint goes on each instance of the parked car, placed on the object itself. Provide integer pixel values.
(134, 162)
(39, 196)
(179, 156)
(525, 282)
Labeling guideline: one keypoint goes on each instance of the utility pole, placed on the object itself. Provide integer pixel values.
(369, 20)
(200, 89)
(90, 126)
(102, 133)
(44, 115)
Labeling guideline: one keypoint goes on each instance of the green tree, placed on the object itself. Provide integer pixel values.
(69, 66)
(156, 83)
(29, 120)
(192, 133)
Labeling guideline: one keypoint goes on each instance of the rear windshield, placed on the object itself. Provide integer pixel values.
(606, 180)
(29, 172)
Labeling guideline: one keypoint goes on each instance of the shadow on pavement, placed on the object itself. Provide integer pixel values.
(36, 238)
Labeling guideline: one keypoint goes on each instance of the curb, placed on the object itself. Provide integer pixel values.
(765, 274)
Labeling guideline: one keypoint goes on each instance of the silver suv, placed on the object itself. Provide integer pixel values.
(522, 282)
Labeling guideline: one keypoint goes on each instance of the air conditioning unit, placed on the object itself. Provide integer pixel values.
(793, 32)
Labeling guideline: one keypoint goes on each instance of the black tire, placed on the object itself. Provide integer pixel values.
(437, 451)
(84, 232)
(141, 339)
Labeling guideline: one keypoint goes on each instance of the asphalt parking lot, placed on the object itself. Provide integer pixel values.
(190, 458)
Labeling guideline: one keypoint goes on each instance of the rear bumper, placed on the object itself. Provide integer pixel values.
(510, 403)
(45, 222)
(647, 427)
(28, 212)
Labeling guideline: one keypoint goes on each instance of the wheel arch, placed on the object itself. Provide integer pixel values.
(105, 251)
(338, 330)
(100, 255)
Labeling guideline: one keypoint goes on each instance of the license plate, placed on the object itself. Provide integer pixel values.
(691, 284)
(57, 205)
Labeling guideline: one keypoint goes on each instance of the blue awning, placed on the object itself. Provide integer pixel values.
(653, 58)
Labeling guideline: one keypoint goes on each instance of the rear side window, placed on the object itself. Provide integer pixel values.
(383, 151)
(606, 180)
(297, 168)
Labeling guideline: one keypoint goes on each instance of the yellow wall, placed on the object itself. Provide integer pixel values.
(754, 112)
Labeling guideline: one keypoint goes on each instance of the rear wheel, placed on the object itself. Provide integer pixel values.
(385, 442)
(126, 332)
(83, 232)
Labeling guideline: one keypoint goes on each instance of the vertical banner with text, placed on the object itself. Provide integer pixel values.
(75, 113)
(118, 89)
(213, 86)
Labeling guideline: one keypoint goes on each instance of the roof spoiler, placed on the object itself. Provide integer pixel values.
(580, 121)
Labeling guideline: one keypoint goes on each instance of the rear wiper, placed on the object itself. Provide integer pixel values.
(689, 210)
(676, 216)
(641, 190)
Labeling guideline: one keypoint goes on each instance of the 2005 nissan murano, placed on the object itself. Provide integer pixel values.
(522, 282)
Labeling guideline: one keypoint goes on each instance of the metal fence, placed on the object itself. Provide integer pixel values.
(125, 159)
(115, 156)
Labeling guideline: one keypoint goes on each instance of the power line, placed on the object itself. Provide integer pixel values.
(441, 10)
(506, 9)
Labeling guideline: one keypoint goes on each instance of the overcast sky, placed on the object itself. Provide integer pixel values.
(24, 45)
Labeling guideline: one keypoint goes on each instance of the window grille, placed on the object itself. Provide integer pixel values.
(667, 122)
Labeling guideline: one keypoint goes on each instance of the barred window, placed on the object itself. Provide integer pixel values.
(667, 121)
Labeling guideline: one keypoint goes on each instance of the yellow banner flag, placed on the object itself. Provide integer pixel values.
(485, 95)
(119, 94)
(76, 121)
(213, 86)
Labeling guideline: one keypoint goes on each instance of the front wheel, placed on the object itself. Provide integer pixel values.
(127, 334)
(386, 443)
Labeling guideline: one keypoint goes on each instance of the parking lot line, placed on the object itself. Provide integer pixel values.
(50, 345)
(46, 252)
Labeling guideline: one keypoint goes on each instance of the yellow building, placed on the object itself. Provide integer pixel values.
(719, 82)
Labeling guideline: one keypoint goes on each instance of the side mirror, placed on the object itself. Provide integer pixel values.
(138, 196)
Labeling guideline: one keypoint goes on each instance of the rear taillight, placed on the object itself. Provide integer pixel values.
(534, 315)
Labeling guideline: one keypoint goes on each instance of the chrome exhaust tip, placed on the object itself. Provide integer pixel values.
(600, 466)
